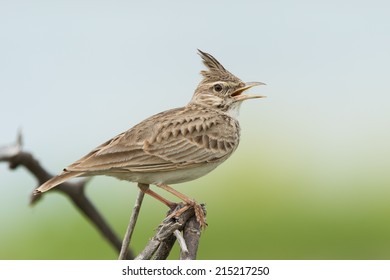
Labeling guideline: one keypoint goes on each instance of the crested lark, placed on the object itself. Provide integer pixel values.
(174, 146)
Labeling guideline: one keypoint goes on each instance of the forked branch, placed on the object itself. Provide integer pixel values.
(162, 242)
(14, 155)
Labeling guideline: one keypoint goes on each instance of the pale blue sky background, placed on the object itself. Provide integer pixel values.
(75, 73)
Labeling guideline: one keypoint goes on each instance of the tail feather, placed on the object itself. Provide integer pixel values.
(56, 180)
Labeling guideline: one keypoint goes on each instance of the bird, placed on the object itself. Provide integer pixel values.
(174, 146)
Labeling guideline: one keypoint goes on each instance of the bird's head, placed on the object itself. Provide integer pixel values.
(219, 88)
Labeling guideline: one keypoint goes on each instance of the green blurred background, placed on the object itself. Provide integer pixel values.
(310, 179)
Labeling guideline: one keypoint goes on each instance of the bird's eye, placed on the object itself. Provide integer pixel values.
(218, 87)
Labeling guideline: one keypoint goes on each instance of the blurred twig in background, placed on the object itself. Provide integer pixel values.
(14, 155)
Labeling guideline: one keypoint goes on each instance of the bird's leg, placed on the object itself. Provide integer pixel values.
(197, 207)
(145, 189)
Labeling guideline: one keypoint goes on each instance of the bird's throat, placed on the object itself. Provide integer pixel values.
(234, 110)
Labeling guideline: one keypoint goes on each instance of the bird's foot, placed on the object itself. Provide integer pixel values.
(200, 214)
(198, 209)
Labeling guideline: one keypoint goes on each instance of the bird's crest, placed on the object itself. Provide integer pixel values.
(215, 72)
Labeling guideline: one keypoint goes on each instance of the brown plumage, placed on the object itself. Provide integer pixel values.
(174, 146)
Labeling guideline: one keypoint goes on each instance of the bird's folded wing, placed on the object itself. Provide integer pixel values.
(164, 149)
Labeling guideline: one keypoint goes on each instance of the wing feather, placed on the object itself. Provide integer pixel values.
(164, 142)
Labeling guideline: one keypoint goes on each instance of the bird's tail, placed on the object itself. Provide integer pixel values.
(56, 180)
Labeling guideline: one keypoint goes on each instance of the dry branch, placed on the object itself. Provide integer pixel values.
(14, 155)
(162, 242)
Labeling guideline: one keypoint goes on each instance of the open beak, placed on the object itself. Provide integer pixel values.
(238, 96)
